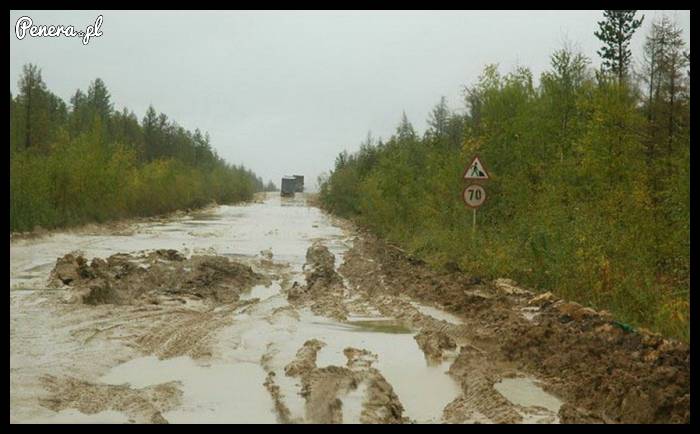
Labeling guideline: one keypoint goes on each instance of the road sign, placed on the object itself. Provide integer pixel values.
(474, 195)
(476, 170)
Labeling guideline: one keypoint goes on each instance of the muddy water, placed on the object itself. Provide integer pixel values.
(228, 386)
(526, 393)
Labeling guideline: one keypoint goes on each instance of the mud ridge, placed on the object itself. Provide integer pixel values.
(141, 405)
(145, 277)
(324, 387)
(324, 290)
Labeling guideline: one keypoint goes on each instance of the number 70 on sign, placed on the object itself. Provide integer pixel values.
(474, 196)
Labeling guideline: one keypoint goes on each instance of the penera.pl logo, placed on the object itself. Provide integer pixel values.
(25, 26)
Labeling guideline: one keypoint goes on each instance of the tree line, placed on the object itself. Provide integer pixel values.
(83, 160)
(589, 193)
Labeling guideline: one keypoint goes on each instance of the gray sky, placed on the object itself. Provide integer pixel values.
(285, 92)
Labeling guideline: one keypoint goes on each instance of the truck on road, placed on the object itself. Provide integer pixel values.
(299, 183)
(289, 186)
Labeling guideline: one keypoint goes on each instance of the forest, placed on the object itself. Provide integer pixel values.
(589, 189)
(83, 161)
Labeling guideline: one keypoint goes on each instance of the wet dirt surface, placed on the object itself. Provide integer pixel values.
(275, 312)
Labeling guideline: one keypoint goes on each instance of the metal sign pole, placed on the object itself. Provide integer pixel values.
(474, 222)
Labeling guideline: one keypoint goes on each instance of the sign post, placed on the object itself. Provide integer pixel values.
(474, 195)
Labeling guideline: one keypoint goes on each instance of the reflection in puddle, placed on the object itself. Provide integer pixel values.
(380, 326)
(437, 313)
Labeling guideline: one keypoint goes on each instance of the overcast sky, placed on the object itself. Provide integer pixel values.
(285, 92)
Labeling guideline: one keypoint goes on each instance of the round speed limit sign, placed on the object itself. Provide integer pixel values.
(474, 195)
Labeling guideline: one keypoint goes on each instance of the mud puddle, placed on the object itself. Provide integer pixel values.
(262, 292)
(538, 406)
(212, 393)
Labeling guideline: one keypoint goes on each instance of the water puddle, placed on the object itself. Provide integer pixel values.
(215, 393)
(525, 392)
(261, 292)
(529, 313)
(352, 404)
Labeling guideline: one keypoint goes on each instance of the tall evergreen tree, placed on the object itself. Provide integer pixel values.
(150, 125)
(405, 131)
(439, 118)
(98, 99)
(32, 90)
(615, 32)
(79, 111)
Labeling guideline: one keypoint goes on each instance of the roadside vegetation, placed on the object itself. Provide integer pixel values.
(589, 195)
(84, 161)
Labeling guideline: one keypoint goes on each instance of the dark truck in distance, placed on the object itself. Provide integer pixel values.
(299, 183)
(292, 184)
(289, 186)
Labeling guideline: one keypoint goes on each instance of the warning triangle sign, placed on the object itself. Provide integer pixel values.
(476, 170)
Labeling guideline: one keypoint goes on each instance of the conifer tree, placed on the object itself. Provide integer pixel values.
(615, 32)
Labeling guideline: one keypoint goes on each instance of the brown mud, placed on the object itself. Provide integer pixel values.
(323, 387)
(141, 405)
(132, 279)
(603, 372)
(324, 290)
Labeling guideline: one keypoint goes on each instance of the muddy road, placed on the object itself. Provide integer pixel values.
(275, 312)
